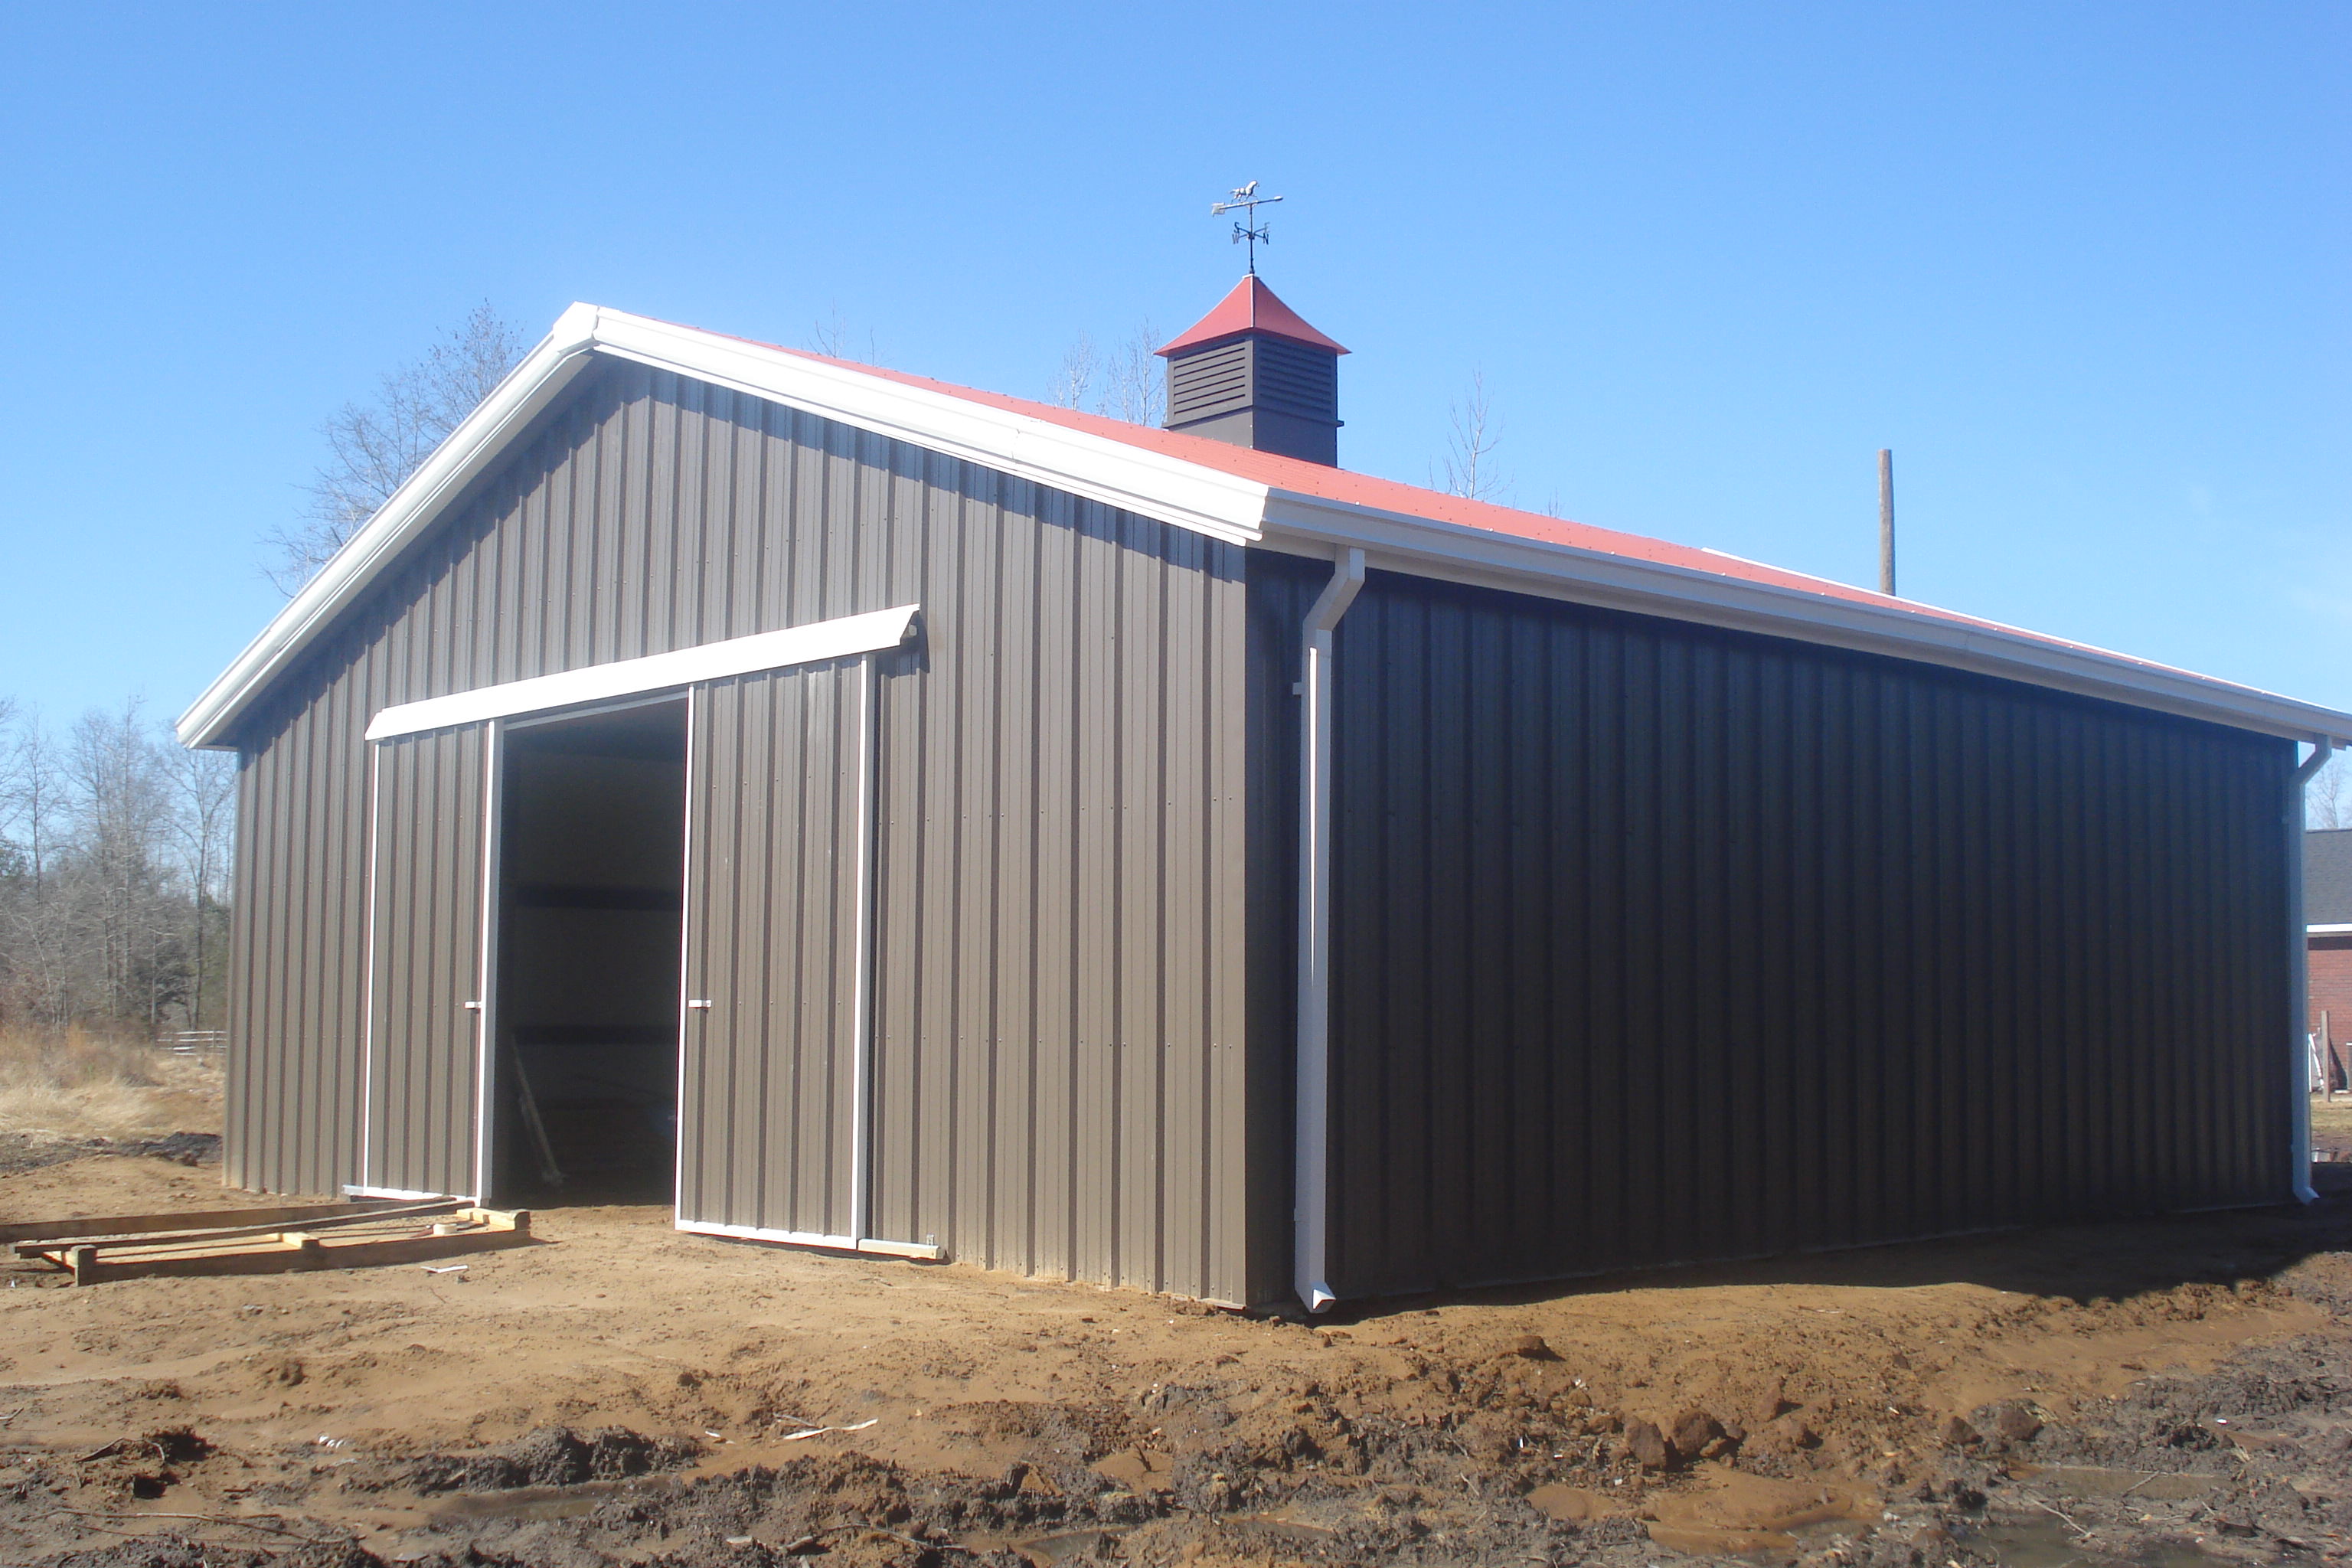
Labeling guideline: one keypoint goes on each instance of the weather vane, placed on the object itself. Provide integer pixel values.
(1247, 200)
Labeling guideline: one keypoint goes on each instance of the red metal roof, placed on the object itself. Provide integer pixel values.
(1251, 307)
(1301, 478)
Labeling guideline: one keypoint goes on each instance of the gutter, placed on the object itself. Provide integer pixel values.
(2299, 974)
(1311, 1215)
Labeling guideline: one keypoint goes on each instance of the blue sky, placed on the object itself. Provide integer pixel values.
(2082, 267)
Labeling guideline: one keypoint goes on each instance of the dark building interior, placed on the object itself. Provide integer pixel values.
(591, 895)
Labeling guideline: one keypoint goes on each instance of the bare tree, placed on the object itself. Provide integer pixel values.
(829, 335)
(31, 794)
(1473, 432)
(128, 927)
(2328, 798)
(1138, 392)
(114, 849)
(202, 787)
(1128, 384)
(1074, 379)
(373, 447)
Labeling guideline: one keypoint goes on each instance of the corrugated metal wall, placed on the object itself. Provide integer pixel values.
(1657, 943)
(1061, 762)
(764, 1122)
(423, 1050)
(1058, 1073)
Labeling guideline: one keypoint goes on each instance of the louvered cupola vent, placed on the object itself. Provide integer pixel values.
(1252, 372)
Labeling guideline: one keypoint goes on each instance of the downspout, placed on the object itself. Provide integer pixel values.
(2298, 964)
(1311, 1218)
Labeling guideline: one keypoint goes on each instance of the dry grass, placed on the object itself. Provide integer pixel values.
(2331, 1116)
(84, 1084)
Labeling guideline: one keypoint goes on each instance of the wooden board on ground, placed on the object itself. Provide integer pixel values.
(363, 1242)
(146, 1224)
(139, 1230)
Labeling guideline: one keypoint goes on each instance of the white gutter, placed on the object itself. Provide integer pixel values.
(1311, 1215)
(2299, 974)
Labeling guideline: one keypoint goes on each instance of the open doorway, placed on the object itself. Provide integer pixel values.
(590, 894)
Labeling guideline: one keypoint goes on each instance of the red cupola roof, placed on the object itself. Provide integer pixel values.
(1251, 307)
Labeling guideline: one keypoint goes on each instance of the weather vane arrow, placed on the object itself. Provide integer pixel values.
(1246, 201)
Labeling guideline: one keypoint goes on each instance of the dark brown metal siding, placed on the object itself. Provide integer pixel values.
(1061, 776)
(1657, 944)
(422, 1064)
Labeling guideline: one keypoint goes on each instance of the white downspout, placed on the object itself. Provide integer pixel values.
(1311, 1218)
(2299, 1016)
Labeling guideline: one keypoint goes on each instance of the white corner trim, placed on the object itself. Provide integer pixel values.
(810, 644)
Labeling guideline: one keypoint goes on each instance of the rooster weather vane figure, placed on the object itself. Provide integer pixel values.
(1246, 200)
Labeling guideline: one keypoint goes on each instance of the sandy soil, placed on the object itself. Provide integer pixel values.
(2169, 1391)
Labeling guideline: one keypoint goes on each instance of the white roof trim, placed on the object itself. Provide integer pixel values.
(1207, 500)
(810, 644)
(2327, 931)
(1401, 542)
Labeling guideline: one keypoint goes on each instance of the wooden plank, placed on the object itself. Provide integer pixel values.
(299, 1250)
(115, 1236)
(123, 1225)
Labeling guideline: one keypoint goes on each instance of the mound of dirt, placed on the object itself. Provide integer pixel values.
(552, 1456)
(184, 1148)
(21, 1152)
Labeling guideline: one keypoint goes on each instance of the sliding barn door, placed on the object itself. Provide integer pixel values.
(772, 1093)
(431, 861)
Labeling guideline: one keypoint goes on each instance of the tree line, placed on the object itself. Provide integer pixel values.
(114, 874)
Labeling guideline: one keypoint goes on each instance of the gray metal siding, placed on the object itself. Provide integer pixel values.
(764, 1123)
(297, 998)
(1058, 1055)
(421, 1056)
(1061, 1059)
(1657, 944)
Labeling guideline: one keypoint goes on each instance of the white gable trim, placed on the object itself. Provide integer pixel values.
(810, 644)
(1187, 495)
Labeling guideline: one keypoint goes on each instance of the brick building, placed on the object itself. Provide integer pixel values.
(2328, 920)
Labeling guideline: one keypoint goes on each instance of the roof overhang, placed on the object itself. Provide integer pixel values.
(1398, 543)
(1209, 501)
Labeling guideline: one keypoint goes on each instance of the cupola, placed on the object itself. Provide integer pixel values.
(1253, 373)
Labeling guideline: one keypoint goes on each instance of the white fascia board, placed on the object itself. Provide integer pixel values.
(477, 441)
(2327, 931)
(811, 644)
(1118, 474)
(1401, 542)
(1147, 483)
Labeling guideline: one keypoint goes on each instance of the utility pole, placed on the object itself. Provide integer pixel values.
(1886, 521)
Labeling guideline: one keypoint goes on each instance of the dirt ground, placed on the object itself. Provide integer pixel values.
(2171, 1392)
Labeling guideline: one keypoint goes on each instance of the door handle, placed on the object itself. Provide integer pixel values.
(701, 1006)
